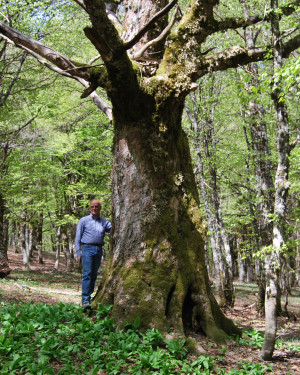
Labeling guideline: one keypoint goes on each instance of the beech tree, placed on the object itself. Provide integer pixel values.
(202, 117)
(150, 63)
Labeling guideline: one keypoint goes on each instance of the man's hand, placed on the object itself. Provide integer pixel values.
(79, 259)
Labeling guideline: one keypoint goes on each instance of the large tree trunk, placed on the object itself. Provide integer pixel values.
(157, 269)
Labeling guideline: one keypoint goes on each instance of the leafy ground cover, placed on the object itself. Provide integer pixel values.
(43, 330)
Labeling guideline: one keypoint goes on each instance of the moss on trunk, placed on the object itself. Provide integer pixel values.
(157, 266)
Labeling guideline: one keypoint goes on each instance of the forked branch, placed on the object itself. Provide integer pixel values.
(159, 38)
(70, 73)
(149, 25)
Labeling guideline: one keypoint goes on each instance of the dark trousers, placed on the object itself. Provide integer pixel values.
(91, 260)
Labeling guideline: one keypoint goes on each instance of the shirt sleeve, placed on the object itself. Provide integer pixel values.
(79, 232)
(108, 226)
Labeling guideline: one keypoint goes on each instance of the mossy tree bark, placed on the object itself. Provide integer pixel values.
(157, 268)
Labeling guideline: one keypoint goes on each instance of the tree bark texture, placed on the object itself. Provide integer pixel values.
(157, 269)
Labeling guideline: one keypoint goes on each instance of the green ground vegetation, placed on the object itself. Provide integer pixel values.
(60, 339)
(42, 338)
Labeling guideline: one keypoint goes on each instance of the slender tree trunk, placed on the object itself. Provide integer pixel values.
(241, 259)
(297, 262)
(66, 250)
(218, 236)
(214, 243)
(57, 247)
(224, 250)
(228, 258)
(40, 239)
(262, 169)
(4, 266)
(28, 240)
(13, 237)
(24, 245)
(273, 258)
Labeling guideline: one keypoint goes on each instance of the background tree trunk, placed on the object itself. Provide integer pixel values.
(217, 236)
(25, 249)
(273, 258)
(4, 266)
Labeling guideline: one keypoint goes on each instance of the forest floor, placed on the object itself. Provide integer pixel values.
(43, 284)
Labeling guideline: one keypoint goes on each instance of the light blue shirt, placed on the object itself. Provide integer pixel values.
(91, 230)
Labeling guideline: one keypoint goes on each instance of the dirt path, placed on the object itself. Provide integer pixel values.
(44, 285)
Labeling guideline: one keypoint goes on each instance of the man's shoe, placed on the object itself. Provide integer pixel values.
(86, 306)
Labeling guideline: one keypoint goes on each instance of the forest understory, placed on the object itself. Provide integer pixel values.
(44, 285)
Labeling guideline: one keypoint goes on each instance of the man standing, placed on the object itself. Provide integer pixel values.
(89, 240)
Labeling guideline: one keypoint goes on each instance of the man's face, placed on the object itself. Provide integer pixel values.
(95, 208)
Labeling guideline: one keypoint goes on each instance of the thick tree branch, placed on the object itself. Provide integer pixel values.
(235, 23)
(183, 60)
(290, 46)
(42, 50)
(149, 25)
(100, 43)
(237, 55)
(101, 104)
(121, 73)
(103, 34)
(231, 58)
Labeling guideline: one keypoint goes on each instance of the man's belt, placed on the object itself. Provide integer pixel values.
(91, 244)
